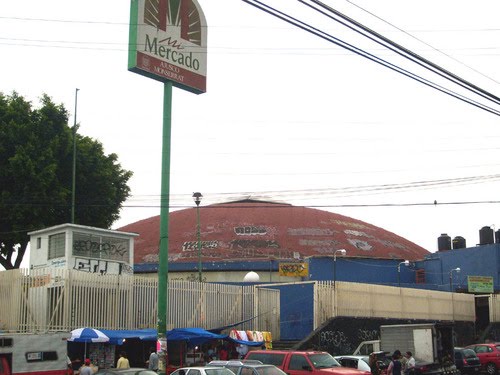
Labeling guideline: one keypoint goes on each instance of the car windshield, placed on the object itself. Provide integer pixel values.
(218, 371)
(366, 360)
(323, 360)
(269, 370)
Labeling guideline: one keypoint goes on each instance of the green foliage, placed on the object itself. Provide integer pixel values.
(36, 164)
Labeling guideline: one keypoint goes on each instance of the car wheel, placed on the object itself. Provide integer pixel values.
(491, 369)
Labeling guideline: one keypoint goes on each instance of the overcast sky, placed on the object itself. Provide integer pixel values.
(287, 116)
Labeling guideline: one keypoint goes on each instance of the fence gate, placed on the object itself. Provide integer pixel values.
(267, 310)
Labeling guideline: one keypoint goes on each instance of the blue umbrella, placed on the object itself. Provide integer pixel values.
(87, 335)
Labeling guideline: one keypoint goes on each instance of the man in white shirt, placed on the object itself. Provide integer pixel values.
(410, 363)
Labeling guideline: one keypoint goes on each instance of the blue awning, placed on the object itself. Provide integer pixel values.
(193, 336)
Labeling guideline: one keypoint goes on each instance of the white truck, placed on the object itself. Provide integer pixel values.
(431, 344)
(40, 354)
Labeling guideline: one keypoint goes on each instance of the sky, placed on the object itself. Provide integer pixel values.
(287, 116)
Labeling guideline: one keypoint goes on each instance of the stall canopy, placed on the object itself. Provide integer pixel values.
(193, 336)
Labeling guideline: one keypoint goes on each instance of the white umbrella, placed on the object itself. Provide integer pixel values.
(87, 335)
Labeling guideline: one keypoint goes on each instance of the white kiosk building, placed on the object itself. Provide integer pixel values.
(83, 248)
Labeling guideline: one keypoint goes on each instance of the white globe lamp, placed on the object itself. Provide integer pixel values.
(251, 277)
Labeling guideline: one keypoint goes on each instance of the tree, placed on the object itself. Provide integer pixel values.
(36, 161)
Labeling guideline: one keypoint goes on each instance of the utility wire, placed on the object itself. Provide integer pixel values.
(307, 27)
(423, 42)
(400, 50)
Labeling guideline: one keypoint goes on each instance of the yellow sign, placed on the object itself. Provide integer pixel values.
(294, 269)
(480, 284)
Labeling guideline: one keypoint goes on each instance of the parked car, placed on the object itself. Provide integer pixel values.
(354, 361)
(303, 362)
(489, 356)
(126, 371)
(201, 371)
(249, 367)
(467, 361)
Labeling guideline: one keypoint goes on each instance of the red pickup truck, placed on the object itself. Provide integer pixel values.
(303, 362)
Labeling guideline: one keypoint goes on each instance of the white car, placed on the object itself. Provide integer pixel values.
(354, 361)
(202, 371)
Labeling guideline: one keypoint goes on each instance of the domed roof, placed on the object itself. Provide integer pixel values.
(252, 230)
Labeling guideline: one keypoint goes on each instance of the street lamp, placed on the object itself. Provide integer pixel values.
(406, 263)
(451, 277)
(341, 252)
(197, 199)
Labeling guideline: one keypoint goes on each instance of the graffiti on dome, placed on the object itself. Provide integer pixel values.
(357, 233)
(322, 243)
(193, 245)
(310, 232)
(350, 224)
(250, 230)
(361, 245)
(392, 244)
(262, 244)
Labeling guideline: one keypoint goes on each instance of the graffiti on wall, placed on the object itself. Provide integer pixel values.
(102, 247)
(101, 267)
(294, 269)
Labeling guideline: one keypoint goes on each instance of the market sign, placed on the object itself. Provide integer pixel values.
(168, 42)
(480, 284)
(294, 269)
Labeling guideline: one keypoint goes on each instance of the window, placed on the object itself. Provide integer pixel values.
(57, 244)
(5, 342)
(41, 356)
(298, 362)
(39, 242)
(194, 372)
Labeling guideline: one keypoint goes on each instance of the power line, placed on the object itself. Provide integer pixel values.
(402, 51)
(427, 44)
(321, 34)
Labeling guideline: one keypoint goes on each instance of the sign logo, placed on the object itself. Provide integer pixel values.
(480, 284)
(168, 42)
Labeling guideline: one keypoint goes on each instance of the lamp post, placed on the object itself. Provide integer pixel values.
(457, 270)
(197, 199)
(406, 263)
(341, 252)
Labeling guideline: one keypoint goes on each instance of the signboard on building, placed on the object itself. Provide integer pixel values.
(168, 42)
(480, 284)
(294, 269)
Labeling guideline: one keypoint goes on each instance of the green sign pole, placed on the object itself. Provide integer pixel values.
(164, 212)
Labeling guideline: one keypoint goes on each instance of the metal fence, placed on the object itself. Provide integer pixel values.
(379, 301)
(53, 299)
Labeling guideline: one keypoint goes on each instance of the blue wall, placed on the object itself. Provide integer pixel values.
(473, 261)
(361, 270)
(296, 304)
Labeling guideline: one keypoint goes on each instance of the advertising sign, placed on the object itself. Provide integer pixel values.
(294, 269)
(480, 284)
(168, 42)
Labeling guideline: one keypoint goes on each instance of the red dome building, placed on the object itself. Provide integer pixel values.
(250, 231)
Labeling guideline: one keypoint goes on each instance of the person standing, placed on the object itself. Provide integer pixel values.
(153, 360)
(395, 367)
(410, 363)
(86, 369)
(123, 361)
(373, 363)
